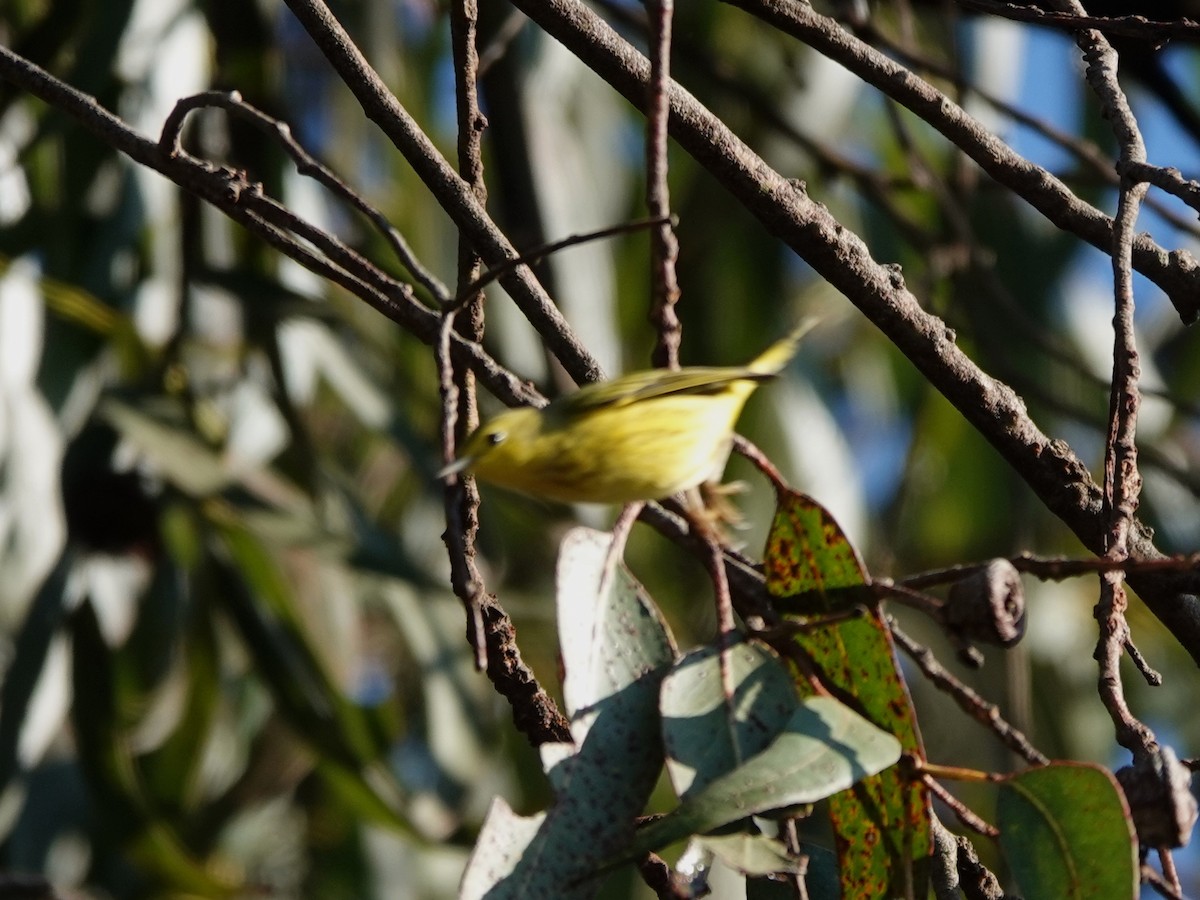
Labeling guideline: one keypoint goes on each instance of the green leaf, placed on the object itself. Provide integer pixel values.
(262, 606)
(28, 653)
(113, 776)
(177, 453)
(751, 854)
(825, 748)
(807, 551)
(611, 635)
(615, 649)
(172, 769)
(703, 737)
(1067, 834)
(882, 827)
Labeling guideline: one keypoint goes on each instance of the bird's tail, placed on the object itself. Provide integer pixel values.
(772, 360)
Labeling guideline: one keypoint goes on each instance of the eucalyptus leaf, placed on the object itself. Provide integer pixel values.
(616, 651)
(825, 748)
(610, 634)
(175, 451)
(1066, 832)
(751, 854)
(704, 736)
(504, 837)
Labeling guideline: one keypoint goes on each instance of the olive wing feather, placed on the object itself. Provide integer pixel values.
(642, 386)
(700, 380)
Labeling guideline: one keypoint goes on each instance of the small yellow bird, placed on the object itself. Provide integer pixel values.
(644, 436)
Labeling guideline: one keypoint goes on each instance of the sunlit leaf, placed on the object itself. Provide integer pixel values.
(611, 635)
(615, 651)
(825, 748)
(704, 737)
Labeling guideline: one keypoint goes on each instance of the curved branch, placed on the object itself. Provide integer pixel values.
(244, 202)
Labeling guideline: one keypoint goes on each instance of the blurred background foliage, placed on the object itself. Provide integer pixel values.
(231, 660)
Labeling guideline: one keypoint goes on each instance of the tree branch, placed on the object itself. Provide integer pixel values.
(1177, 272)
(450, 190)
(243, 201)
(1049, 467)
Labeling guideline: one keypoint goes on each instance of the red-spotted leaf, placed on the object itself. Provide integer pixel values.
(815, 576)
(808, 552)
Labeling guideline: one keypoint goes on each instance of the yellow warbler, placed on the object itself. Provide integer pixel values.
(643, 436)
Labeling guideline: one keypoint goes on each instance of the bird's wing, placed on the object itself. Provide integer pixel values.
(641, 386)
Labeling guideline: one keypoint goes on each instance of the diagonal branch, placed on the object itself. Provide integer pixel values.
(1176, 272)
(244, 202)
(452, 192)
(1049, 467)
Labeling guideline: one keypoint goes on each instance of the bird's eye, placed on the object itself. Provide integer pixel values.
(496, 438)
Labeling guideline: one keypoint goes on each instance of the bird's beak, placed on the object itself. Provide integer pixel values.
(459, 465)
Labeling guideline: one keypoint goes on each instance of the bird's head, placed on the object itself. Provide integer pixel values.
(498, 446)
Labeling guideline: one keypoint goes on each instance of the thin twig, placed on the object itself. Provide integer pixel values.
(306, 164)
(1122, 482)
(664, 246)
(931, 606)
(531, 257)
(1164, 178)
(1056, 568)
(744, 447)
(985, 713)
(790, 628)
(1152, 676)
(1152, 31)
(960, 810)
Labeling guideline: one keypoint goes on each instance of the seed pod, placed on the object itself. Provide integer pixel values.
(1158, 788)
(988, 605)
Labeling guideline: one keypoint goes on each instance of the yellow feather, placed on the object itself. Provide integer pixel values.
(643, 436)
